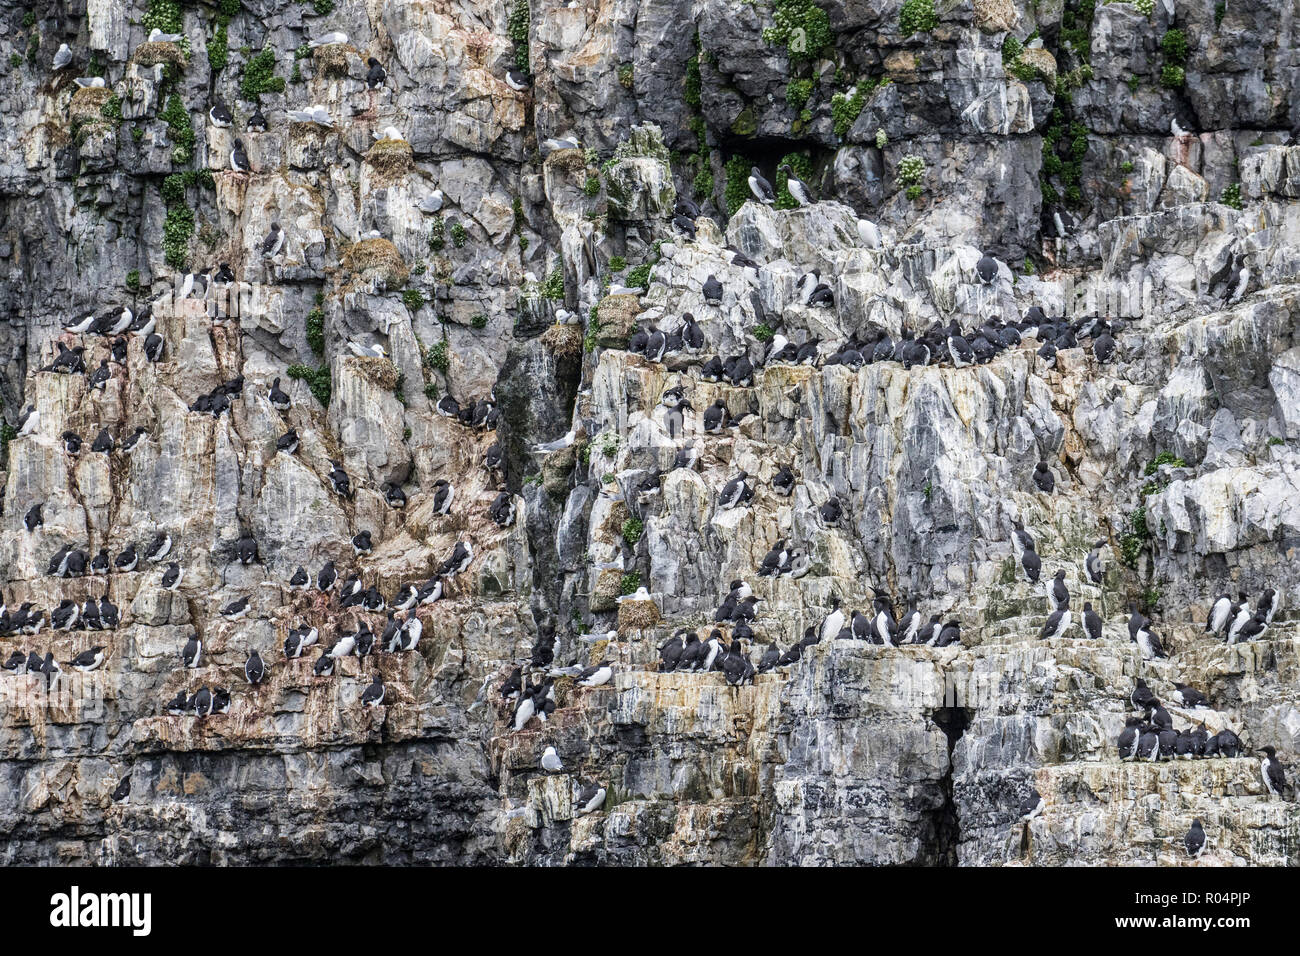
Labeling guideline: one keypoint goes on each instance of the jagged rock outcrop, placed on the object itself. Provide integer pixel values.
(500, 252)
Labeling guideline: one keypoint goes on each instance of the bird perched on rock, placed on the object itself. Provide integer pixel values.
(1194, 840)
(797, 189)
(444, 493)
(1057, 593)
(1092, 563)
(375, 75)
(219, 115)
(62, 57)
(760, 187)
(1128, 738)
(192, 651)
(373, 695)
(986, 269)
(328, 39)
(458, 561)
(518, 80)
(236, 609)
(254, 668)
(1031, 806)
(1270, 769)
(90, 660)
(596, 675)
(273, 242)
(1057, 624)
(1043, 478)
(1142, 697)
(339, 480)
(1091, 622)
(551, 762)
(239, 158)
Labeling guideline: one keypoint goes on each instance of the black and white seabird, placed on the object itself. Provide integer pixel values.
(1194, 840)
(279, 398)
(273, 242)
(760, 187)
(153, 347)
(502, 510)
(220, 116)
(1057, 593)
(1128, 738)
(394, 496)
(1092, 564)
(192, 651)
(375, 76)
(1091, 622)
(361, 543)
(1191, 696)
(373, 695)
(33, 519)
(158, 548)
(239, 158)
(1269, 602)
(1032, 563)
(596, 675)
(171, 578)
(339, 480)
(254, 669)
(443, 495)
(1043, 478)
(459, 560)
(133, 440)
(327, 577)
(90, 660)
(1270, 769)
(1031, 806)
(797, 189)
(1057, 624)
(986, 269)
(288, 442)
(517, 80)
(236, 609)
(1148, 643)
(122, 792)
(128, 559)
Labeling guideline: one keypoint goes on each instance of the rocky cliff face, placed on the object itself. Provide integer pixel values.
(504, 248)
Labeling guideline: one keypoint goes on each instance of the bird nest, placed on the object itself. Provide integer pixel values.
(605, 590)
(563, 341)
(379, 372)
(87, 103)
(568, 160)
(152, 54)
(378, 259)
(637, 616)
(332, 59)
(391, 158)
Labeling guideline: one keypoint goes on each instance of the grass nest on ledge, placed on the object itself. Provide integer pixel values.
(377, 259)
(391, 159)
(563, 341)
(379, 372)
(87, 103)
(332, 58)
(153, 54)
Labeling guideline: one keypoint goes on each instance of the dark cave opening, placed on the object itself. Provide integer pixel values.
(953, 721)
